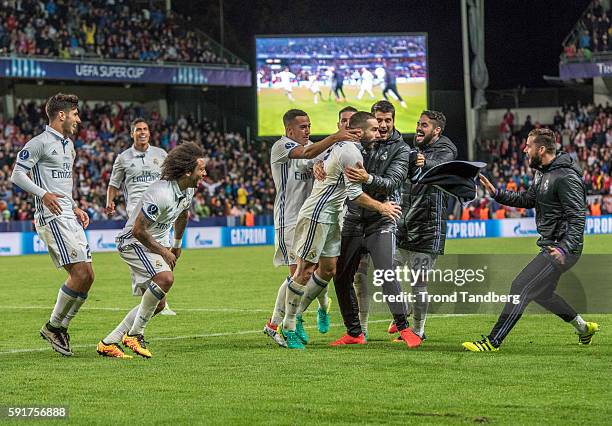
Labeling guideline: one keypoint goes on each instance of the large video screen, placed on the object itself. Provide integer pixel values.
(322, 74)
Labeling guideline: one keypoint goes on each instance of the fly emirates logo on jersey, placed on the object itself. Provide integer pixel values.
(303, 176)
(147, 177)
(65, 173)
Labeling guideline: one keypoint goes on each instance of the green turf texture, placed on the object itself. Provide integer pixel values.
(273, 103)
(212, 364)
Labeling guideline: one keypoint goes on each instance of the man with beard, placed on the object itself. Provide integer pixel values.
(316, 243)
(49, 158)
(422, 227)
(386, 165)
(559, 197)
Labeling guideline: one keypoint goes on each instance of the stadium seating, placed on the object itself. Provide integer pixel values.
(105, 132)
(121, 30)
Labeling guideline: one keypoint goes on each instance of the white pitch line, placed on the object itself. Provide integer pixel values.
(130, 307)
(199, 336)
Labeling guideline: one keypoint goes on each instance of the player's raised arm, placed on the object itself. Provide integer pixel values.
(313, 150)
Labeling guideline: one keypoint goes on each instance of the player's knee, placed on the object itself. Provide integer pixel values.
(327, 272)
(164, 280)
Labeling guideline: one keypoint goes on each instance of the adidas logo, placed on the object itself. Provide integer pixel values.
(54, 152)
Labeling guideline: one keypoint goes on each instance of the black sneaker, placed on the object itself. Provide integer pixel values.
(56, 339)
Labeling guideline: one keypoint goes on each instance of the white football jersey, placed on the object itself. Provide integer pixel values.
(327, 198)
(161, 203)
(49, 158)
(293, 182)
(134, 171)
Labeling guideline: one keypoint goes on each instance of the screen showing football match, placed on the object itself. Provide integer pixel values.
(323, 74)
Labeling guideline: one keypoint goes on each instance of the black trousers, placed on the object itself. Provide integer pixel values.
(391, 88)
(381, 246)
(538, 282)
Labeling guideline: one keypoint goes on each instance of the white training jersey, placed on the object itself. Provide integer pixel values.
(134, 171)
(161, 203)
(380, 73)
(49, 158)
(327, 197)
(293, 182)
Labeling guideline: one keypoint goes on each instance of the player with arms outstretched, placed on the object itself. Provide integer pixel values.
(317, 232)
(291, 161)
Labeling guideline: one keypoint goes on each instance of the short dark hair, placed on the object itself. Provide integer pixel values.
(346, 109)
(437, 117)
(383, 106)
(292, 114)
(181, 160)
(360, 119)
(135, 122)
(544, 137)
(61, 102)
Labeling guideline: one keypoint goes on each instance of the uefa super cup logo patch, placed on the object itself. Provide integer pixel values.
(24, 154)
(152, 210)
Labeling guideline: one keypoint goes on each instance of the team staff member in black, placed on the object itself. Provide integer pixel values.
(387, 163)
(559, 197)
(422, 227)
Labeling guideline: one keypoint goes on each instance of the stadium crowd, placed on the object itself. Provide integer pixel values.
(592, 33)
(106, 29)
(583, 131)
(239, 181)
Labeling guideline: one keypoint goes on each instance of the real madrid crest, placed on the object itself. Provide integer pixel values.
(546, 185)
(155, 161)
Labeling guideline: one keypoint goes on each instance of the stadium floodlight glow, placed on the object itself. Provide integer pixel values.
(322, 74)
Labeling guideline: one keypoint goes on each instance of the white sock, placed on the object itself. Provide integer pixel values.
(150, 300)
(124, 326)
(360, 283)
(279, 305)
(314, 287)
(65, 298)
(74, 309)
(323, 299)
(419, 308)
(579, 324)
(295, 292)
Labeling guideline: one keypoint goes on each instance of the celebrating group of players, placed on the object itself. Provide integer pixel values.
(352, 197)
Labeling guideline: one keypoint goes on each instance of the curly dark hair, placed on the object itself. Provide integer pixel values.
(437, 117)
(181, 160)
(61, 102)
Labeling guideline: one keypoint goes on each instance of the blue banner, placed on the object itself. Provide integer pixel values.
(45, 69)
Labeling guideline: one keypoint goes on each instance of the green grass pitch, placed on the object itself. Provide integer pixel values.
(273, 103)
(213, 365)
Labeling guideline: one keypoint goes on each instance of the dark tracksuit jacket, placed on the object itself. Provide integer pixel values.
(559, 197)
(389, 162)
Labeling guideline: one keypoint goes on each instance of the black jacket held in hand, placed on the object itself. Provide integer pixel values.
(422, 227)
(559, 197)
(388, 162)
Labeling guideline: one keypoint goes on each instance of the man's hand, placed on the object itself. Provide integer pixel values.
(318, 170)
(344, 134)
(557, 254)
(50, 202)
(176, 252)
(110, 208)
(170, 257)
(357, 174)
(390, 209)
(488, 186)
(82, 217)
(420, 160)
